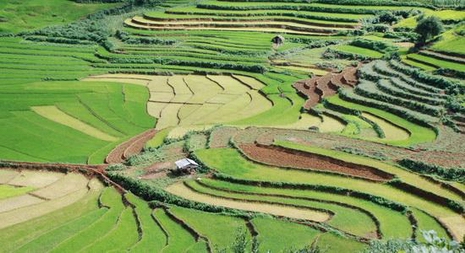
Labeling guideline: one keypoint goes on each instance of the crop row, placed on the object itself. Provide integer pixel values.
(369, 89)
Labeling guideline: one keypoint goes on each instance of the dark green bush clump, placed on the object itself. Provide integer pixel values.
(451, 174)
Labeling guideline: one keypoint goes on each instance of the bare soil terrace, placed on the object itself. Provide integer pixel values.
(281, 157)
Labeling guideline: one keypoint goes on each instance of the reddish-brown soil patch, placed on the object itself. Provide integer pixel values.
(308, 89)
(130, 147)
(349, 77)
(322, 85)
(282, 157)
(318, 88)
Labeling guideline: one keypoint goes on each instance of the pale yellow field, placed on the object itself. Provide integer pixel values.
(242, 22)
(54, 114)
(229, 84)
(331, 124)
(391, 131)
(456, 225)
(200, 114)
(252, 82)
(227, 112)
(258, 105)
(27, 207)
(159, 84)
(33, 211)
(7, 175)
(203, 88)
(155, 108)
(66, 185)
(187, 110)
(306, 120)
(35, 179)
(179, 85)
(223, 98)
(18, 202)
(161, 96)
(196, 28)
(169, 116)
(281, 210)
(200, 100)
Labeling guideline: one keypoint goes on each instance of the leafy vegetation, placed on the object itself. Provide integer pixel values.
(341, 134)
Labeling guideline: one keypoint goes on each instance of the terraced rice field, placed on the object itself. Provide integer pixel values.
(330, 136)
(198, 100)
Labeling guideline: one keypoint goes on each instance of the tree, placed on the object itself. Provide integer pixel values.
(428, 28)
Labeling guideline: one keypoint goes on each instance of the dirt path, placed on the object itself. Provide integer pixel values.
(130, 147)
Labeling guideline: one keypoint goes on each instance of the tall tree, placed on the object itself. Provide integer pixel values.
(428, 28)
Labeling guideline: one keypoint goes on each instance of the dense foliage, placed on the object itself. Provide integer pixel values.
(452, 174)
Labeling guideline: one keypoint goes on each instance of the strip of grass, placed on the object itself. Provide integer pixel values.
(332, 243)
(122, 237)
(49, 240)
(437, 62)
(111, 198)
(220, 229)
(179, 239)
(417, 64)
(451, 41)
(153, 238)
(8, 191)
(159, 138)
(283, 112)
(360, 50)
(279, 235)
(427, 223)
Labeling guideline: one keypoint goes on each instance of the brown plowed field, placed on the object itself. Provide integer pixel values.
(282, 157)
(350, 77)
(317, 88)
(323, 85)
(130, 147)
(307, 87)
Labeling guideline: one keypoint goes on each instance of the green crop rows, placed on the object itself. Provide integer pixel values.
(345, 129)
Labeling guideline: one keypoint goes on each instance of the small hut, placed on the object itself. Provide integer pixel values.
(186, 166)
(278, 40)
